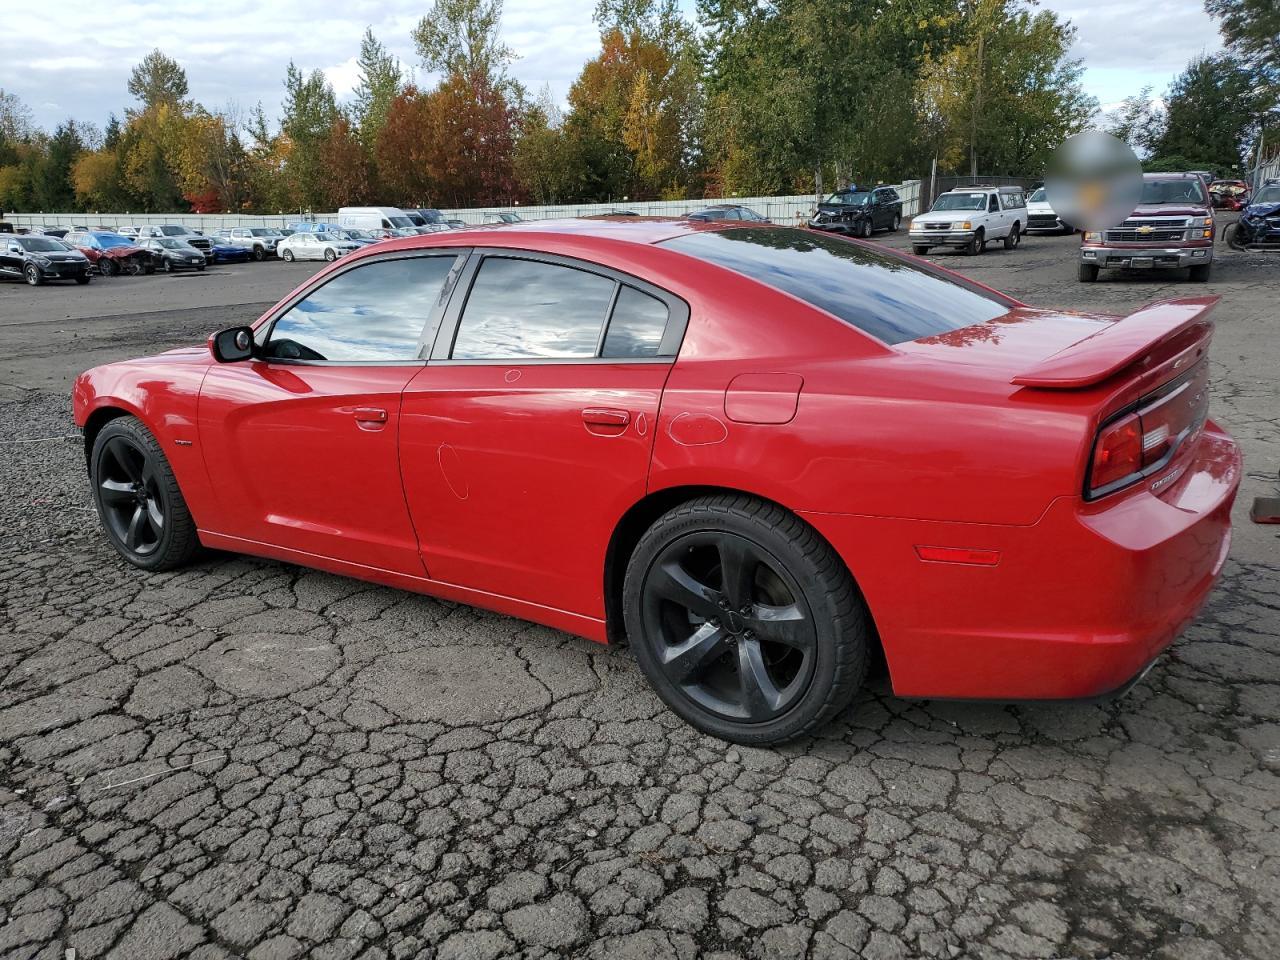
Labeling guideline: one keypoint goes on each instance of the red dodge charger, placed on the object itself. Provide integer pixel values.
(755, 452)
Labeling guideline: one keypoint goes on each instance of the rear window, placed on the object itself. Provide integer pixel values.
(883, 295)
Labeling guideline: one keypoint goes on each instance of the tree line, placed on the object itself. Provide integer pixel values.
(753, 98)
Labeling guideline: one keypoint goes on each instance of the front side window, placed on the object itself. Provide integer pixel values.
(378, 311)
(532, 309)
(883, 295)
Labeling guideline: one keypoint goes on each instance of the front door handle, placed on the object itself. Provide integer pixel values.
(605, 417)
(370, 415)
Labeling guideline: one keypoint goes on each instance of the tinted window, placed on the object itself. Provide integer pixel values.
(888, 297)
(377, 311)
(524, 308)
(636, 325)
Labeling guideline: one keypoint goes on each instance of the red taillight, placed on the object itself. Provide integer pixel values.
(1117, 454)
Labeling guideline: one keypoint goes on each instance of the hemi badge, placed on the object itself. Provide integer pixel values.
(182, 443)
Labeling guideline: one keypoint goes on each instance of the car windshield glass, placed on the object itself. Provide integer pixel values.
(400, 221)
(961, 201)
(39, 244)
(262, 232)
(1038, 195)
(359, 234)
(887, 296)
(1268, 195)
(850, 198)
(170, 244)
(173, 231)
(109, 240)
(432, 216)
(326, 237)
(1155, 192)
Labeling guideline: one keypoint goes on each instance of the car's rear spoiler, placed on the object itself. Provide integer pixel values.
(1110, 350)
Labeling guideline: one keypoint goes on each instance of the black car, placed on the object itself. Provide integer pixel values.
(430, 218)
(728, 211)
(36, 259)
(858, 211)
(170, 254)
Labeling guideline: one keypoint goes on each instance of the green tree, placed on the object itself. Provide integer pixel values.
(461, 37)
(52, 189)
(308, 114)
(158, 79)
(1251, 29)
(1212, 111)
(540, 151)
(381, 81)
(1138, 121)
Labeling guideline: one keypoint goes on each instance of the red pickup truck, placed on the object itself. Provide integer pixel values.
(1171, 227)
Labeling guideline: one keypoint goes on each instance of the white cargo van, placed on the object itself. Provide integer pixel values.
(376, 218)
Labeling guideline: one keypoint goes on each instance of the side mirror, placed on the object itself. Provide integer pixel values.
(233, 345)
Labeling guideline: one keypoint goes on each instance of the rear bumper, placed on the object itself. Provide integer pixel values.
(1079, 603)
(1160, 257)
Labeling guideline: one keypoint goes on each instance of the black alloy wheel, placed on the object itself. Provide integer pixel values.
(746, 623)
(138, 499)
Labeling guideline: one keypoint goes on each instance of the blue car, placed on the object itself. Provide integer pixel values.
(1259, 224)
(224, 252)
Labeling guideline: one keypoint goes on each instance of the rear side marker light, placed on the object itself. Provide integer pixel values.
(976, 558)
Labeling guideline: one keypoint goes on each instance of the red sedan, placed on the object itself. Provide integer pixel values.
(755, 452)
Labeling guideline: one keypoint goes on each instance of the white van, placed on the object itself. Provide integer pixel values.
(376, 218)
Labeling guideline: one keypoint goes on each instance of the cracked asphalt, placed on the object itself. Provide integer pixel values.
(245, 758)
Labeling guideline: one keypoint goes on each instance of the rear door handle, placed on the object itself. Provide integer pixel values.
(370, 415)
(605, 417)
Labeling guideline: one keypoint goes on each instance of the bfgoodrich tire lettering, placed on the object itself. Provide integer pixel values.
(141, 508)
(744, 620)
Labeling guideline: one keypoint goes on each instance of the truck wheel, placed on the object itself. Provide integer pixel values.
(1199, 273)
(259, 253)
(919, 249)
(1088, 272)
(977, 244)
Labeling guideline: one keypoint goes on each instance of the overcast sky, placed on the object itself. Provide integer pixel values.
(77, 65)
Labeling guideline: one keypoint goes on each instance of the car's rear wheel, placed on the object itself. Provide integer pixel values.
(288, 256)
(137, 496)
(168, 265)
(32, 273)
(1088, 272)
(919, 249)
(897, 222)
(1199, 273)
(1011, 240)
(744, 620)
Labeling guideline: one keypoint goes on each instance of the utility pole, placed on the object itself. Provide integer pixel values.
(977, 106)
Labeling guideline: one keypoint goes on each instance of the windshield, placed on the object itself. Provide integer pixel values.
(400, 221)
(884, 295)
(961, 201)
(1268, 195)
(262, 232)
(416, 220)
(432, 216)
(1156, 192)
(1038, 195)
(850, 198)
(359, 235)
(39, 244)
(326, 237)
(173, 231)
(169, 244)
(109, 240)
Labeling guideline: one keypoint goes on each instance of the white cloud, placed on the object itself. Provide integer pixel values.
(236, 50)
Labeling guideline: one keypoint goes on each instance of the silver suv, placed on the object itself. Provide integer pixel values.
(259, 241)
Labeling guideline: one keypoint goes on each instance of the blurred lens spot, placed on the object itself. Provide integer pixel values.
(1093, 181)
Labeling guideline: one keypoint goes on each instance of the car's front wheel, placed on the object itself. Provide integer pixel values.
(919, 249)
(1199, 273)
(330, 255)
(83, 280)
(137, 496)
(32, 273)
(108, 267)
(864, 231)
(259, 253)
(1088, 272)
(745, 621)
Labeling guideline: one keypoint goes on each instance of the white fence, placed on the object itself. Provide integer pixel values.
(791, 209)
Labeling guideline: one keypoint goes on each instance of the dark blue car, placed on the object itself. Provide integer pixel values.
(223, 251)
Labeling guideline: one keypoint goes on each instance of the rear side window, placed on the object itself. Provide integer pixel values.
(378, 311)
(636, 325)
(888, 297)
(531, 309)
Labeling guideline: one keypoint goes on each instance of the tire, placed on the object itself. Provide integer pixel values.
(1231, 234)
(259, 253)
(897, 222)
(811, 665)
(330, 256)
(919, 250)
(108, 267)
(200, 268)
(32, 274)
(168, 265)
(288, 256)
(1088, 272)
(83, 280)
(1199, 273)
(1012, 238)
(977, 244)
(865, 231)
(137, 497)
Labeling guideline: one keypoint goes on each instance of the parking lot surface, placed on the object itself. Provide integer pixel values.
(248, 758)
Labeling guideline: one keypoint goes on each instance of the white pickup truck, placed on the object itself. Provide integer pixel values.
(969, 218)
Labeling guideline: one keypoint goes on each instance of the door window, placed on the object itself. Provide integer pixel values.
(532, 309)
(992, 205)
(636, 325)
(381, 311)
